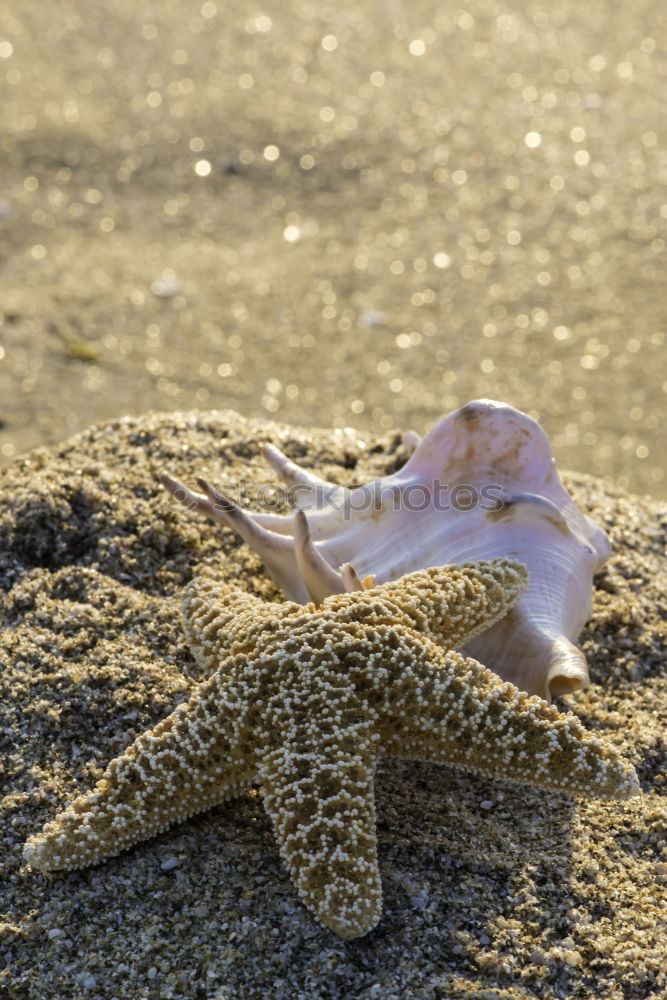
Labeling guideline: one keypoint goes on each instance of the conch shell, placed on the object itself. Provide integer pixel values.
(481, 484)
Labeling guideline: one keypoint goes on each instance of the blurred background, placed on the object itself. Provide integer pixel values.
(337, 214)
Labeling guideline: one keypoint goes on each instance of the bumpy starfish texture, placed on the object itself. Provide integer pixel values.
(304, 700)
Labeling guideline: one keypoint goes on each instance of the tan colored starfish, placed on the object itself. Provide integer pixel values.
(304, 700)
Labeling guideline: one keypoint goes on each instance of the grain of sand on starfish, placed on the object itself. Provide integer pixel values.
(303, 700)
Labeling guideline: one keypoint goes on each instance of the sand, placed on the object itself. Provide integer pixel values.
(337, 214)
(490, 891)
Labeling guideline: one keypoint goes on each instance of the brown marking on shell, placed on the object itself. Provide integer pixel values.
(470, 414)
(542, 507)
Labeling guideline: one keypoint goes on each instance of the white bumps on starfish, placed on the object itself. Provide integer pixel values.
(304, 700)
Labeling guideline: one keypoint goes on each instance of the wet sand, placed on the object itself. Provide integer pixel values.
(491, 891)
(361, 215)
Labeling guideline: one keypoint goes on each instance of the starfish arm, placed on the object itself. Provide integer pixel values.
(448, 604)
(195, 758)
(219, 620)
(451, 604)
(452, 710)
(318, 792)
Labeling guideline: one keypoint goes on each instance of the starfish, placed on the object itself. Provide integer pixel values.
(304, 700)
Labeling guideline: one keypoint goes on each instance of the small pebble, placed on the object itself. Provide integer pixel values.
(539, 957)
(486, 804)
(170, 863)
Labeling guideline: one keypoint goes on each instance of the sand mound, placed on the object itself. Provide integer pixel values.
(490, 891)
